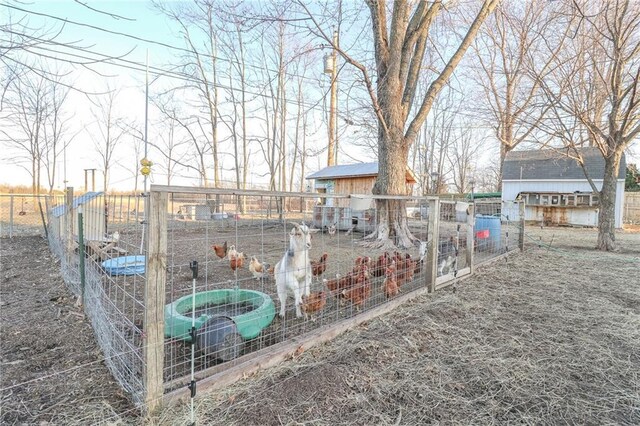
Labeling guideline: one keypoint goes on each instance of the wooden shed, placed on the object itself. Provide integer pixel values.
(349, 179)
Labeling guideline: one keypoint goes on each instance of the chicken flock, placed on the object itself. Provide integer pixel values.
(395, 269)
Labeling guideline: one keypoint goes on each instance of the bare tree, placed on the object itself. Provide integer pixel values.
(197, 22)
(400, 42)
(508, 48)
(594, 85)
(272, 145)
(56, 131)
(136, 147)
(461, 156)
(34, 124)
(233, 15)
(170, 147)
(110, 130)
(26, 114)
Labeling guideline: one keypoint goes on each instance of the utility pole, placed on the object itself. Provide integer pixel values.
(331, 67)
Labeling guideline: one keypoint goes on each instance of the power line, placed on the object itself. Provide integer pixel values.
(155, 42)
(156, 71)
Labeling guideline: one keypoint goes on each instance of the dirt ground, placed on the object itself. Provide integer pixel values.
(51, 368)
(548, 336)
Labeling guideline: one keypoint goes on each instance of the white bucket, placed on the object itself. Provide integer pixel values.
(360, 202)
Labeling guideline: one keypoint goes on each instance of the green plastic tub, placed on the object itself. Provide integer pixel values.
(177, 316)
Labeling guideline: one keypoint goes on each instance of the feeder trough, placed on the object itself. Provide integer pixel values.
(224, 320)
(125, 265)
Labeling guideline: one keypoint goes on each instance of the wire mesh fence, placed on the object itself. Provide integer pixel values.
(21, 215)
(102, 261)
(498, 229)
(251, 257)
(26, 214)
(211, 279)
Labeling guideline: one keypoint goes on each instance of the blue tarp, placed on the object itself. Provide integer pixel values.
(126, 265)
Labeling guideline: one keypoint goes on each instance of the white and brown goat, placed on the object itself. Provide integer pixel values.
(293, 272)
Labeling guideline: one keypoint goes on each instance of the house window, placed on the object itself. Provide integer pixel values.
(555, 200)
(595, 200)
(544, 200)
(570, 200)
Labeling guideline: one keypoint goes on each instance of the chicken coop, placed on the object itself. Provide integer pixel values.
(555, 189)
(94, 210)
(355, 180)
(346, 179)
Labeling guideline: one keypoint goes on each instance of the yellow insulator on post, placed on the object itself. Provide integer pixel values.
(146, 163)
(145, 170)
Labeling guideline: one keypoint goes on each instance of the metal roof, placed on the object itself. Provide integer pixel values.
(344, 171)
(554, 164)
(82, 199)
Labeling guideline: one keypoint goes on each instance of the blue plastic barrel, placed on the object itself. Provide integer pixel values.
(491, 224)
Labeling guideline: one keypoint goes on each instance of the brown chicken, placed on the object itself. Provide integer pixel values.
(332, 284)
(390, 286)
(405, 268)
(258, 269)
(313, 303)
(361, 289)
(236, 259)
(221, 251)
(339, 283)
(362, 263)
(381, 265)
(319, 266)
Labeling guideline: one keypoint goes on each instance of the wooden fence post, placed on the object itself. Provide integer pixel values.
(432, 250)
(471, 220)
(521, 235)
(154, 299)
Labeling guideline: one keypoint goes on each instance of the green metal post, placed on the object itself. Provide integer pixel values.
(81, 250)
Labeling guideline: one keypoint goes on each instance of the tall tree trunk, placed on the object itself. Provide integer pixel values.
(392, 227)
(504, 150)
(607, 212)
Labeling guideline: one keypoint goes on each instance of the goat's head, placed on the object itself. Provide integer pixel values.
(300, 237)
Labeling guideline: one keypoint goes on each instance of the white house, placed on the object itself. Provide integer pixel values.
(554, 186)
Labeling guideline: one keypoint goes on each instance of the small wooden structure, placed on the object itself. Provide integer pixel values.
(98, 245)
(349, 179)
(95, 222)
